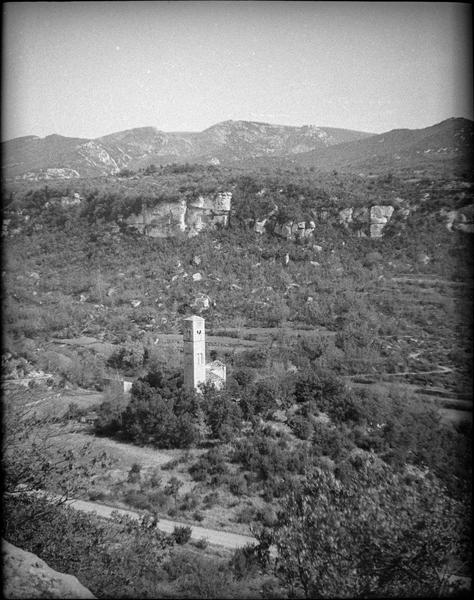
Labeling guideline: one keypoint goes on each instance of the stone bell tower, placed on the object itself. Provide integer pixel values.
(194, 342)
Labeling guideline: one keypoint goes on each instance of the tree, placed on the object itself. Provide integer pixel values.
(376, 534)
(223, 415)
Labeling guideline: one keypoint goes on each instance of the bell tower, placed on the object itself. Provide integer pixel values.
(194, 342)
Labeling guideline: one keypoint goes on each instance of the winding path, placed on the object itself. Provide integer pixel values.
(216, 537)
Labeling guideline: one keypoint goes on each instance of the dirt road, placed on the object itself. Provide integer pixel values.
(213, 536)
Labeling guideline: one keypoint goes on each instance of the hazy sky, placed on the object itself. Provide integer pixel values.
(86, 69)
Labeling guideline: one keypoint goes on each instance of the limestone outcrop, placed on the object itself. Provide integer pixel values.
(363, 221)
(168, 219)
(459, 220)
(27, 576)
(379, 217)
(295, 230)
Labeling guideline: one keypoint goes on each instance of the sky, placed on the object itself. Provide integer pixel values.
(86, 69)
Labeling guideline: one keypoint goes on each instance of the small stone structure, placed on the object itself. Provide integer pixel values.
(118, 385)
(196, 371)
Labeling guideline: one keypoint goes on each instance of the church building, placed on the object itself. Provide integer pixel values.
(196, 371)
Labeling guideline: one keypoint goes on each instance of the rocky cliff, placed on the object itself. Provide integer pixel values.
(168, 219)
(190, 217)
(27, 576)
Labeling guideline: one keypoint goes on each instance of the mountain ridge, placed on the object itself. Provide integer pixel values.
(135, 148)
(234, 142)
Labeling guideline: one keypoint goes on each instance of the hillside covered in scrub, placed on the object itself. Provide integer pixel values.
(346, 419)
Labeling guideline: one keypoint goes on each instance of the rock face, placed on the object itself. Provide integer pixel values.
(207, 212)
(27, 576)
(379, 217)
(168, 219)
(363, 221)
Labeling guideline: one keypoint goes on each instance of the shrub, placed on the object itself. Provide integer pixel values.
(246, 515)
(158, 499)
(267, 516)
(211, 499)
(244, 562)
(134, 473)
(198, 576)
(95, 495)
(73, 412)
(189, 502)
(330, 441)
(237, 484)
(210, 464)
(137, 500)
(182, 535)
(171, 464)
(301, 427)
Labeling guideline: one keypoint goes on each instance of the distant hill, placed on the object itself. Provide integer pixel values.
(450, 140)
(228, 142)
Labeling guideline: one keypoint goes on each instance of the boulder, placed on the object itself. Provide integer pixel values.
(201, 303)
(381, 214)
(196, 260)
(460, 220)
(27, 576)
(450, 216)
(197, 277)
(465, 227)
